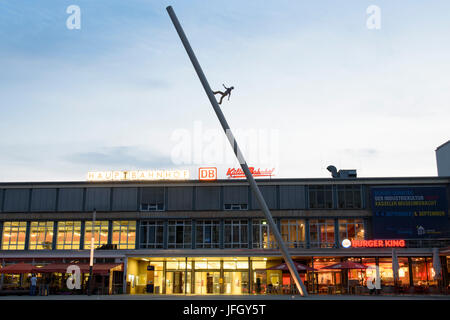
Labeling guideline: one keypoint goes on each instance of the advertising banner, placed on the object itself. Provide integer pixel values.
(410, 212)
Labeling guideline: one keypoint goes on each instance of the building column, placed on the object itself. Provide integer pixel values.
(193, 233)
(2, 276)
(250, 276)
(307, 236)
(411, 278)
(138, 235)
(82, 234)
(221, 278)
(367, 229)
(250, 232)
(164, 278)
(1, 234)
(55, 235)
(336, 233)
(27, 235)
(221, 233)
(110, 231)
(334, 196)
(165, 234)
(444, 271)
(185, 274)
(125, 267)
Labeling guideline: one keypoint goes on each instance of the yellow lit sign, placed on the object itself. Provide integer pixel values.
(143, 175)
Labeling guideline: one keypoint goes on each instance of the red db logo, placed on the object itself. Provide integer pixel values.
(207, 174)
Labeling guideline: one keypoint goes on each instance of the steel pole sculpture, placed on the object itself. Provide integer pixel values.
(237, 152)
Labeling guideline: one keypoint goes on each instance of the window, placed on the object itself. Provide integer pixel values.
(351, 229)
(152, 199)
(320, 197)
(321, 233)
(13, 237)
(69, 235)
(242, 206)
(207, 235)
(152, 206)
(179, 234)
(349, 197)
(100, 234)
(41, 235)
(124, 234)
(235, 234)
(262, 237)
(152, 234)
(293, 233)
(419, 271)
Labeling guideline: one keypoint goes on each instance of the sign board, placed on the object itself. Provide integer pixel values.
(410, 212)
(207, 174)
(234, 173)
(143, 175)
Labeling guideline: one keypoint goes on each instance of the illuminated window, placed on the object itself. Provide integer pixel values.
(320, 197)
(100, 234)
(124, 234)
(179, 234)
(419, 271)
(13, 237)
(262, 236)
(41, 235)
(235, 234)
(69, 235)
(349, 197)
(152, 234)
(207, 235)
(351, 229)
(321, 233)
(293, 233)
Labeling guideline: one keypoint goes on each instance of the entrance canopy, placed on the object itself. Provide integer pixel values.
(284, 267)
(18, 268)
(345, 265)
(99, 268)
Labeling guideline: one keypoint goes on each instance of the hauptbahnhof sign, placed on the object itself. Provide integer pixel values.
(143, 175)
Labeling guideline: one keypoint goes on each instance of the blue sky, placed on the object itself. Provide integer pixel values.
(115, 93)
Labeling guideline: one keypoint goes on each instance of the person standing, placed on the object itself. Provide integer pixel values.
(48, 280)
(33, 282)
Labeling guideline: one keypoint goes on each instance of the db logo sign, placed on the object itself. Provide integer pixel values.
(207, 174)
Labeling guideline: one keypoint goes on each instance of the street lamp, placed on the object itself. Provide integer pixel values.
(91, 261)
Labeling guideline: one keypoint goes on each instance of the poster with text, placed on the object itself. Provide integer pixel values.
(410, 212)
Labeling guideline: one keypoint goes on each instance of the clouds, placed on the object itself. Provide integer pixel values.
(112, 93)
(122, 157)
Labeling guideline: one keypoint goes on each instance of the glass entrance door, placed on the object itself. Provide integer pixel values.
(235, 282)
(207, 282)
(174, 282)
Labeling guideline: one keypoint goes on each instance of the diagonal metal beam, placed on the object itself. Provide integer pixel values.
(237, 152)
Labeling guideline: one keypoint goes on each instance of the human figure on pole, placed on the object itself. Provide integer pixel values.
(224, 94)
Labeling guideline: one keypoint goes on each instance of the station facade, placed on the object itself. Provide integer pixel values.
(209, 237)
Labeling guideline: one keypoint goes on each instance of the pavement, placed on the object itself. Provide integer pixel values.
(227, 297)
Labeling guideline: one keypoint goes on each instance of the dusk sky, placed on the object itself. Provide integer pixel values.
(314, 86)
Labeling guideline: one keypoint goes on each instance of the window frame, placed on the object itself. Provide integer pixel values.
(242, 230)
(37, 229)
(186, 226)
(158, 226)
(68, 229)
(320, 191)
